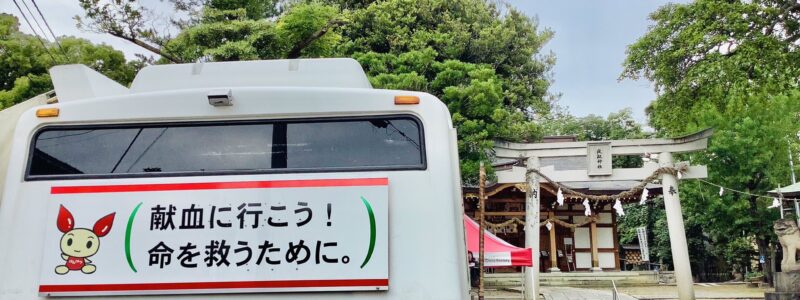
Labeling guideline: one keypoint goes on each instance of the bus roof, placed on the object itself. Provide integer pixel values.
(78, 82)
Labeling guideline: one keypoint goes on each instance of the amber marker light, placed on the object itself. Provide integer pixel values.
(406, 100)
(47, 112)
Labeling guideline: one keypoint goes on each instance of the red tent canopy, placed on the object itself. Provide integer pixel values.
(497, 252)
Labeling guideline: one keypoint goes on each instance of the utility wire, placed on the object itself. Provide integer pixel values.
(28, 8)
(34, 31)
(48, 28)
(146, 149)
(405, 136)
(67, 135)
(126, 150)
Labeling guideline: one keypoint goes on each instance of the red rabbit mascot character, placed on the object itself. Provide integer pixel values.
(77, 244)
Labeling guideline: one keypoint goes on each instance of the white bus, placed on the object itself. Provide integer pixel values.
(234, 179)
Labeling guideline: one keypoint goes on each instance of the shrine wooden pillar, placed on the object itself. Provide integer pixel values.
(553, 250)
(593, 238)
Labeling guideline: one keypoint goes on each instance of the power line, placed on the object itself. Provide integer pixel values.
(67, 135)
(146, 149)
(126, 150)
(48, 28)
(35, 20)
(34, 31)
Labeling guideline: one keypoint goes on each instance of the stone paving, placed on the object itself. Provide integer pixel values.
(703, 291)
(569, 293)
(498, 295)
(554, 293)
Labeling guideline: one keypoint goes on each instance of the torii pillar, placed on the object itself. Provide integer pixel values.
(677, 233)
(532, 207)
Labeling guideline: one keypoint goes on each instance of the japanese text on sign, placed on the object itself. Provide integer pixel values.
(255, 236)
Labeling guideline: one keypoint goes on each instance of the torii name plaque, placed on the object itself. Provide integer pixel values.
(599, 159)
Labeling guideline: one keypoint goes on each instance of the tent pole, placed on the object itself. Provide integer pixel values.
(481, 210)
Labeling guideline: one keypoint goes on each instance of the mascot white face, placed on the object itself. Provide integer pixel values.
(789, 237)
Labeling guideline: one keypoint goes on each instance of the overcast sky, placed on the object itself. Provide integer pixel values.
(589, 44)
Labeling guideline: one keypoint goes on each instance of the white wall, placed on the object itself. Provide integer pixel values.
(605, 237)
(583, 260)
(604, 218)
(582, 240)
(606, 260)
(513, 175)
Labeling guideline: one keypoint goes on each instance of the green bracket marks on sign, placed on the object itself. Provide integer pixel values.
(371, 231)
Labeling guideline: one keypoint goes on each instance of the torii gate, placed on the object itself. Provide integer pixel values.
(599, 157)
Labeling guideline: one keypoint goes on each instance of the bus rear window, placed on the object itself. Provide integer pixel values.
(373, 143)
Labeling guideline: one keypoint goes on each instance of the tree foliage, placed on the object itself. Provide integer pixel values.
(483, 63)
(25, 61)
(699, 52)
(616, 126)
(219, 29)
(733, 66)
(748, 152)
(127, 20)
(231, 34)
(654, 219)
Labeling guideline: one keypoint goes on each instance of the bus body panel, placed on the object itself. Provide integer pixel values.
(8, 124)
(426, 240)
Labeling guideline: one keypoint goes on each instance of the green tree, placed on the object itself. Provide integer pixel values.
(484, 64)
(25, 61)
(734, 66)
(220, 30)
(616, 126)
(133, 22)
(652, 217)
(222, 34)
(738, 254)
(22, 55)
(699, 52)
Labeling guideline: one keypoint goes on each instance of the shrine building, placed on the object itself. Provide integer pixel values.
(579, 240)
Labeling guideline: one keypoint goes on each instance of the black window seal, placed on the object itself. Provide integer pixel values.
(416, 167)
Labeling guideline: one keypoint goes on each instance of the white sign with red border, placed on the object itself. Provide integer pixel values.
(217, 237)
